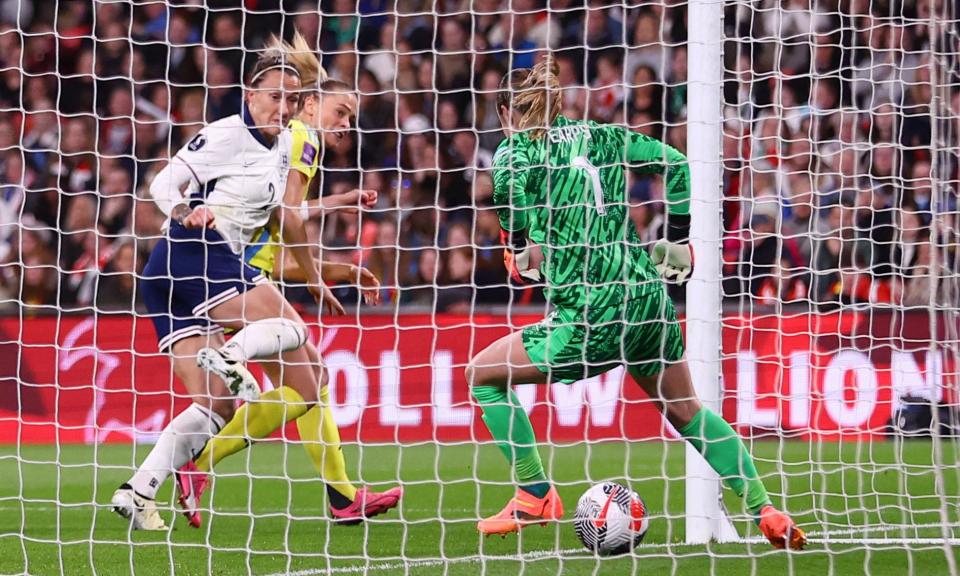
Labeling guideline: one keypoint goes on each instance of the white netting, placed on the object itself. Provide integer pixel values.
(838, 339)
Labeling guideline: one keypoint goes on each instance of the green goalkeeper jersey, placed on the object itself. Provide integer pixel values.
(567, 189)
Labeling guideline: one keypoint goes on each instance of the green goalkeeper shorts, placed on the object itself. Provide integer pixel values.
(570, 345)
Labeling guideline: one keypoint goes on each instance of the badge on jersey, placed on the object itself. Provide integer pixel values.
(197, 143)
(309, 154)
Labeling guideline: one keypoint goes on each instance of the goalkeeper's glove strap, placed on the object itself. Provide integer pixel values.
(515, 241)
(678, 228)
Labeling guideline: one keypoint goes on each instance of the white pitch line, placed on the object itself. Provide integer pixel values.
(821, 537)
(893, 528)
(577, 554)
(818, 535)
(886, 541)
(389, 566)
(40, 507)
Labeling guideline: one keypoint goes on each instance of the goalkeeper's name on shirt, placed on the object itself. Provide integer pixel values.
(568, 133)
(557, 135)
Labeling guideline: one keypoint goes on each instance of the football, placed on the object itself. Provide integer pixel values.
(610, 519)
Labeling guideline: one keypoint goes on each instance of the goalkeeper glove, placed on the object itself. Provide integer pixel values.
(673, 255)
(516, 257)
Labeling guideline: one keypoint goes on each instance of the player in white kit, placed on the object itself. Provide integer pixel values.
(217, 191)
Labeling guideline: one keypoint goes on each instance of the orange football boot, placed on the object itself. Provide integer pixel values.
(780, 529)
(521, 511)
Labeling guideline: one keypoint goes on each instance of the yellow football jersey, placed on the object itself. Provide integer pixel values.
(303, 144)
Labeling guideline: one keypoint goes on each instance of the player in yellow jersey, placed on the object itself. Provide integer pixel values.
(325, 112)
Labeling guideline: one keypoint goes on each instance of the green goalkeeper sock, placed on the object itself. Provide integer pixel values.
(723, 449)
(511, 428)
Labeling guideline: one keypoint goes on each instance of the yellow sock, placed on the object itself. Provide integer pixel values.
(253, 421)
(321, 440)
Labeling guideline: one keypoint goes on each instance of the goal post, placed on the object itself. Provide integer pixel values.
(705, 516)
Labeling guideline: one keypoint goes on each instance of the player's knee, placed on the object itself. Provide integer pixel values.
(320, 381)
(474, 376)
(298, 328)
(484, 387)
(225, 408)
(323, 377)
(681, 412)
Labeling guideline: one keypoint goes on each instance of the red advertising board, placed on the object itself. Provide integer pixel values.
(87, 380)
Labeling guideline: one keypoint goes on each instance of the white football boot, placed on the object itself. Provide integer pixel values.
(240, 381)
(140, 511)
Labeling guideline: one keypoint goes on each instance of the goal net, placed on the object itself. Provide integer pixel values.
(821, 319)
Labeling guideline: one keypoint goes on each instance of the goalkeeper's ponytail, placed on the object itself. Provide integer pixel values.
(535, 94)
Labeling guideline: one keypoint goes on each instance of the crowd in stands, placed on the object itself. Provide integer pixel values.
(839, 150)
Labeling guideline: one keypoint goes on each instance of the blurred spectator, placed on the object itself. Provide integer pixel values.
(116, 127)
(919, 189)
(40, 136)
(382, 62)
(117, 282)
(77, 86)
(606, 91)
(799, 227)
(81, 248)
(513, 40)
(603, 31)
(375, 119)
(383, 259)
(454, 61)
(489, 273)
(464, 153)
(876, 231)
(11, 200)
(486, 120)
(677, 85)
(915, 123)
(647, 48)
(146, 223)
(419, 287)
(448, 116)
(760, 254)
(456, 291)
(76, 170)
(832, 249)
(223, 93)
(923, 280)
(340, 253)
(116, 199)
(883, 67)
(189, 115)
(646, 93)
(227, 40)
(306, 19)
(340, 24)
(38, 280)
(574, 91)
(183, 39)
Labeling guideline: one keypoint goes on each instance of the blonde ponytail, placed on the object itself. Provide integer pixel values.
(301, 56)
(538, 98)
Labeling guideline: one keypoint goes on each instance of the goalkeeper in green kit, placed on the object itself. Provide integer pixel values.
(560, 183)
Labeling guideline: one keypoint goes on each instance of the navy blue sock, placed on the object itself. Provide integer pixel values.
(337, 500)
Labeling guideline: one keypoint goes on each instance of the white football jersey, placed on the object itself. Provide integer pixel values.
(237, 175)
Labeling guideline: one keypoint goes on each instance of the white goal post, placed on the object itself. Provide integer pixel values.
(706, 518)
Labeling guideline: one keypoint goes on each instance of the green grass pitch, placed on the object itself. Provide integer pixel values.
(272, 521)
